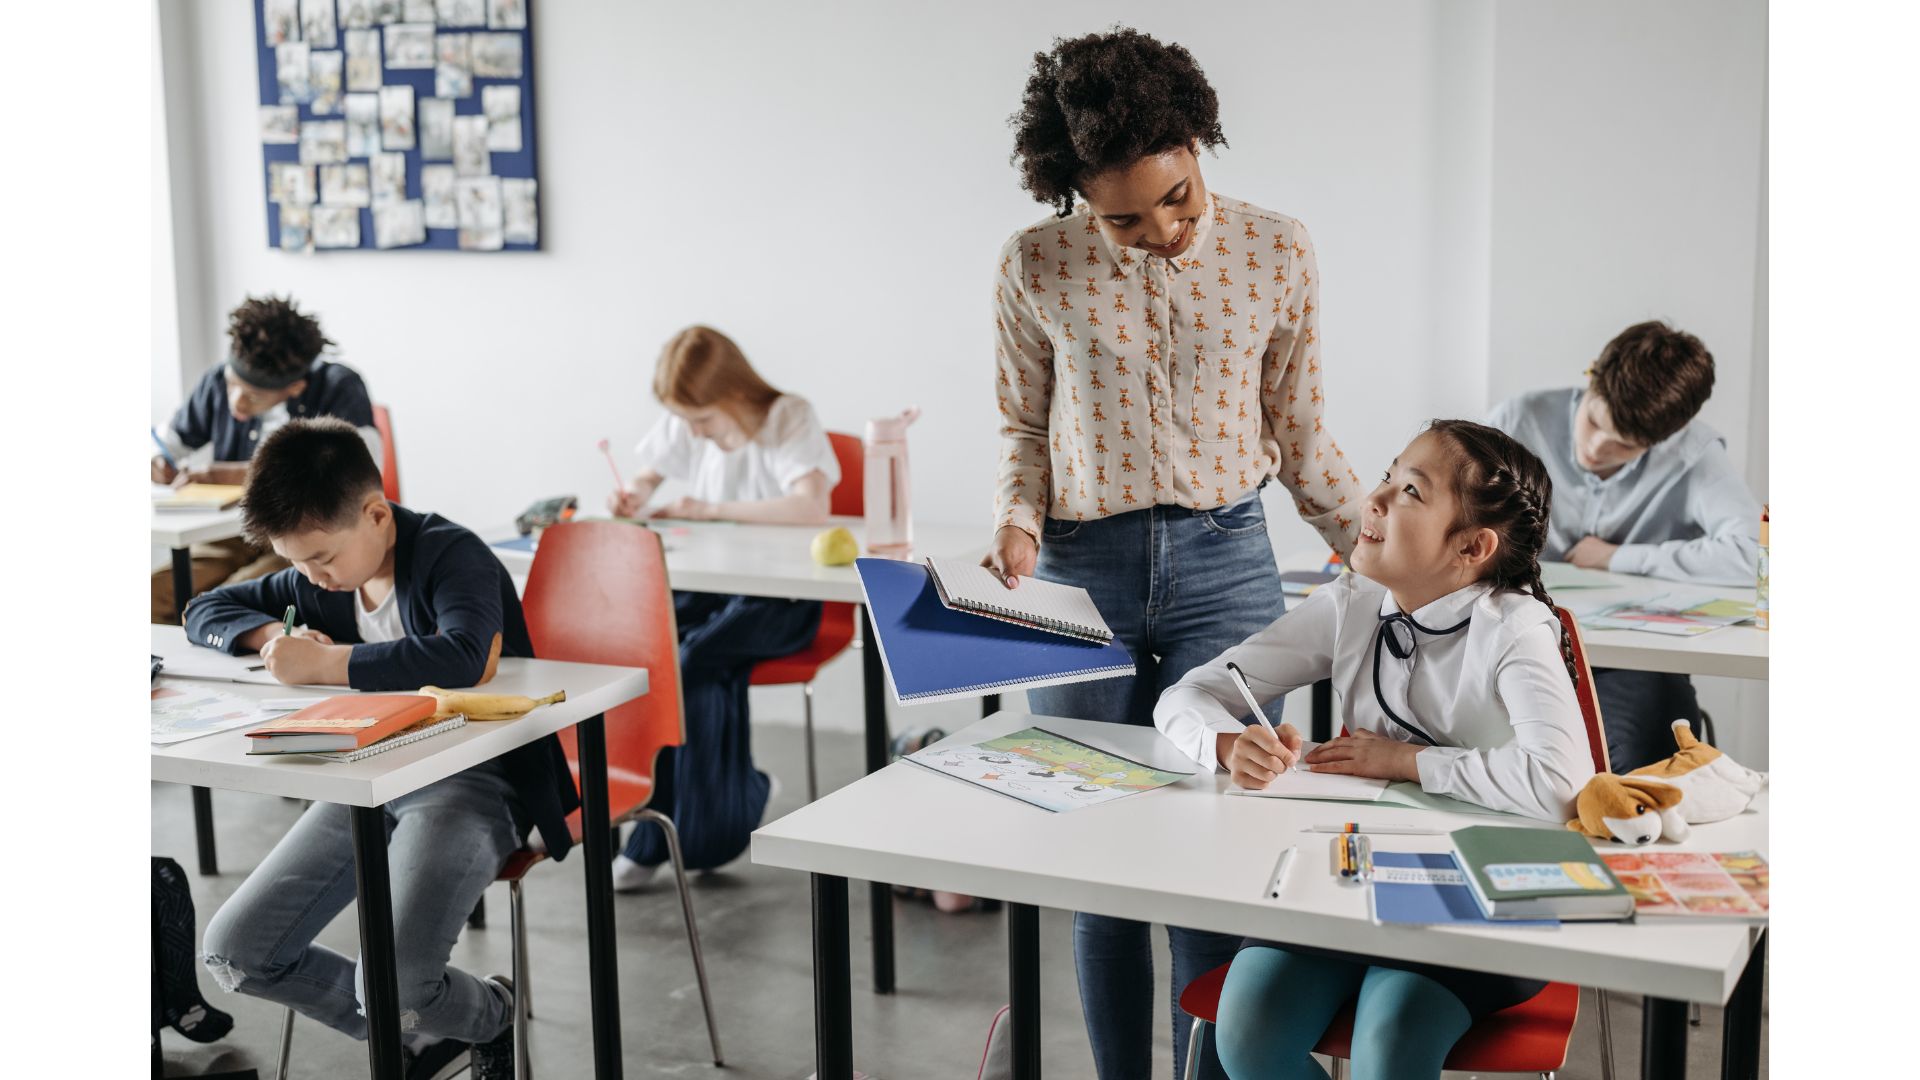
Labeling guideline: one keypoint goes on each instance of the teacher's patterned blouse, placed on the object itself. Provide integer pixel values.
(1128, 380)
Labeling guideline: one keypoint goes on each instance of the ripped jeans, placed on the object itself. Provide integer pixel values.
(445, 843)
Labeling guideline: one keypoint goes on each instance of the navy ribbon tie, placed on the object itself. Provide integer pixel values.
(1400, 634)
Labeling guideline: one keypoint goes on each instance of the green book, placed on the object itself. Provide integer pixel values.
(1538, 874)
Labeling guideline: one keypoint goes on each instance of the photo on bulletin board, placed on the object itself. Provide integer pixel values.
(397, 125)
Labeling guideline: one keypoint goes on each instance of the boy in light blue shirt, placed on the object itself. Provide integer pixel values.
(1641, 486)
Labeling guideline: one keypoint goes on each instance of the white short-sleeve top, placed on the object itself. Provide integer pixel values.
(789, 445)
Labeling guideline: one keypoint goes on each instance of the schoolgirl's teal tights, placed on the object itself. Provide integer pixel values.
(1276, 1005)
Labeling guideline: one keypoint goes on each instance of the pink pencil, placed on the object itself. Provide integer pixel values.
(619, 484)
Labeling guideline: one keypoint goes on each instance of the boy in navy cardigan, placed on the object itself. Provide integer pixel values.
(388, 599)
(273, 373)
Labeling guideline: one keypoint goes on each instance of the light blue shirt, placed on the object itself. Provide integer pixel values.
(1678, 511)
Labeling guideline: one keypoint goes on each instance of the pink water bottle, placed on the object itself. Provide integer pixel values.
(888, 497)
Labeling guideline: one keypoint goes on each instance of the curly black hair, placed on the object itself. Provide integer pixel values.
(1107, 100)
(272, 336)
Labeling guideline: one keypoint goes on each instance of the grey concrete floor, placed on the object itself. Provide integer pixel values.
(755, 925)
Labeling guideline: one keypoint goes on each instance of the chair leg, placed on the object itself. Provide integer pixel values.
(693, 931)
(522, 993)
(286, 1046)
(1606, 1035)
(1192, 1070)
(813, 777)
(1339, 1068)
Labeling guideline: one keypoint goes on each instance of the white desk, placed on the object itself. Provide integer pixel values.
(220, 760)
(1177, 856)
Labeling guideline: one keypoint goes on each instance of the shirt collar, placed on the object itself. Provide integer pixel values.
(1444, 612)
(1125, 260)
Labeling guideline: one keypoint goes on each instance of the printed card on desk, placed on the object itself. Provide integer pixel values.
(1300, 782)
(1046, 770)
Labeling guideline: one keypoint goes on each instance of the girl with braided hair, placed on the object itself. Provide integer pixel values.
(1451, 671)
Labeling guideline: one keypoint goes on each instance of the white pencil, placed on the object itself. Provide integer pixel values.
(1280, 874)
(1240, 680)
(1383, 831)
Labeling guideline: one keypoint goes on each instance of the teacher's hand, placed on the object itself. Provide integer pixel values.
(1012, 555)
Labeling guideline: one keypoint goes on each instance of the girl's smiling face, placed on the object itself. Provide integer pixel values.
(1408, 540)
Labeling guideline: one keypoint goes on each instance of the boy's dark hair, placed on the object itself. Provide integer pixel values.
(1104, 101)
(1654, 379)
(310, 474)
(1503, 486)
(273, 342)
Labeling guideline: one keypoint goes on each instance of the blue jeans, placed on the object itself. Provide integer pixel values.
(445, 844)
(1276, 1005)
(709, 786)
(1178, 587)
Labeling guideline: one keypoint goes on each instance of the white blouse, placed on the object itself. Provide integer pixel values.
(1484, 679)
(789, 445)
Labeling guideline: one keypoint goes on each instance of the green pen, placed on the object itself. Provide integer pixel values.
(288, 625)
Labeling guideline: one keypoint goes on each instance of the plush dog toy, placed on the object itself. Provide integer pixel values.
(1696, 785)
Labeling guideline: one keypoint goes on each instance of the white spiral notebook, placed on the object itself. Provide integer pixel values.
(1043, 605)
(395, 742)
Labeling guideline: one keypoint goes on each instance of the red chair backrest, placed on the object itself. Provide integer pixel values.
(850, 494)
(1584, 691)
(389, 457)
(598, 594)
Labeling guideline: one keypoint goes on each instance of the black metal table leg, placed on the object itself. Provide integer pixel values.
(602, 973)
(182, 582)
(989, 705)
(1322, 725)
(375, 906)
(832, 981)
(203, 831)
(1663, 1040)
(1023, 964)
(1740, 1037)
(880, 896)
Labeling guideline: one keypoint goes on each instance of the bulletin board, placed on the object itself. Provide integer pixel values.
(397, 124)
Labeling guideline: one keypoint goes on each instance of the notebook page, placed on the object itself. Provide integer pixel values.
(969, 583)
(1300, 782)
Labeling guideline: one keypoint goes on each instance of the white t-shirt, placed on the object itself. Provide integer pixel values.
(383, 622)
(789, 445)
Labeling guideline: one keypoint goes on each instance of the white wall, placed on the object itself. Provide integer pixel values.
(1494, 188)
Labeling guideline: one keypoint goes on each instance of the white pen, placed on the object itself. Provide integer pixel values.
(1380, 831)
(1279, 878)
(1240, 680)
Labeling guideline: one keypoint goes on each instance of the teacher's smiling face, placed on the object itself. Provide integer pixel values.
(1153, 204)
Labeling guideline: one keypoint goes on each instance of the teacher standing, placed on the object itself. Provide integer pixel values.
(1158, 362)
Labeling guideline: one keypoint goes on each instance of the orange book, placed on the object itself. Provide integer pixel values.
(347, 722)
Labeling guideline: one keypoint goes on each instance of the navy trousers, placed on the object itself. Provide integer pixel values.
(709, 786)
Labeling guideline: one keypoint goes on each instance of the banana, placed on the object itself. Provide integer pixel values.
(476, 706)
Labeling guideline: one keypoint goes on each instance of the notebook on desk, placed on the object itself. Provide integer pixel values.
(198, 497)
(934, 653)
(967, 586)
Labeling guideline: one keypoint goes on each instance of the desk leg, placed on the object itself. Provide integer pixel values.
(203, 831)
(1023, 963)
(1663, 1040)
(989, 705)
(182, 582)
(602, 975)
(1322, 726)
(375, 905)
(832, 980)
(1740, 1043)
(879, 896)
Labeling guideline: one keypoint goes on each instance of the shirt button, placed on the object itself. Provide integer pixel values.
(253, 434)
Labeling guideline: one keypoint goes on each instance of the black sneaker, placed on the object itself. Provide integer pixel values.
(493, 1059)
(442, 1059)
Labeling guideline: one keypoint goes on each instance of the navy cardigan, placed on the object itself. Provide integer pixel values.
(454, 596)
(332, 390)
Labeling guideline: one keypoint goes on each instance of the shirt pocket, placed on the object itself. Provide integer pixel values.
(1225, 403)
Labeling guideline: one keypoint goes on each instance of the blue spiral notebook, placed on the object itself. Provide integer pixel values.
(934, 653)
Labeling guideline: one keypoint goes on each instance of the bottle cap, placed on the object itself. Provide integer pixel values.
(891, 428)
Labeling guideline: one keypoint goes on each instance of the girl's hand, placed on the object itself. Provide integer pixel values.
(625, 504)
(1012, 555)
(1365, 753)
(687, 509)
(1257, 755)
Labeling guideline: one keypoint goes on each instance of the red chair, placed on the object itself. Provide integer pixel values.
(836, 619)
(1529, 1037)
(598, 594)
(389, 457)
